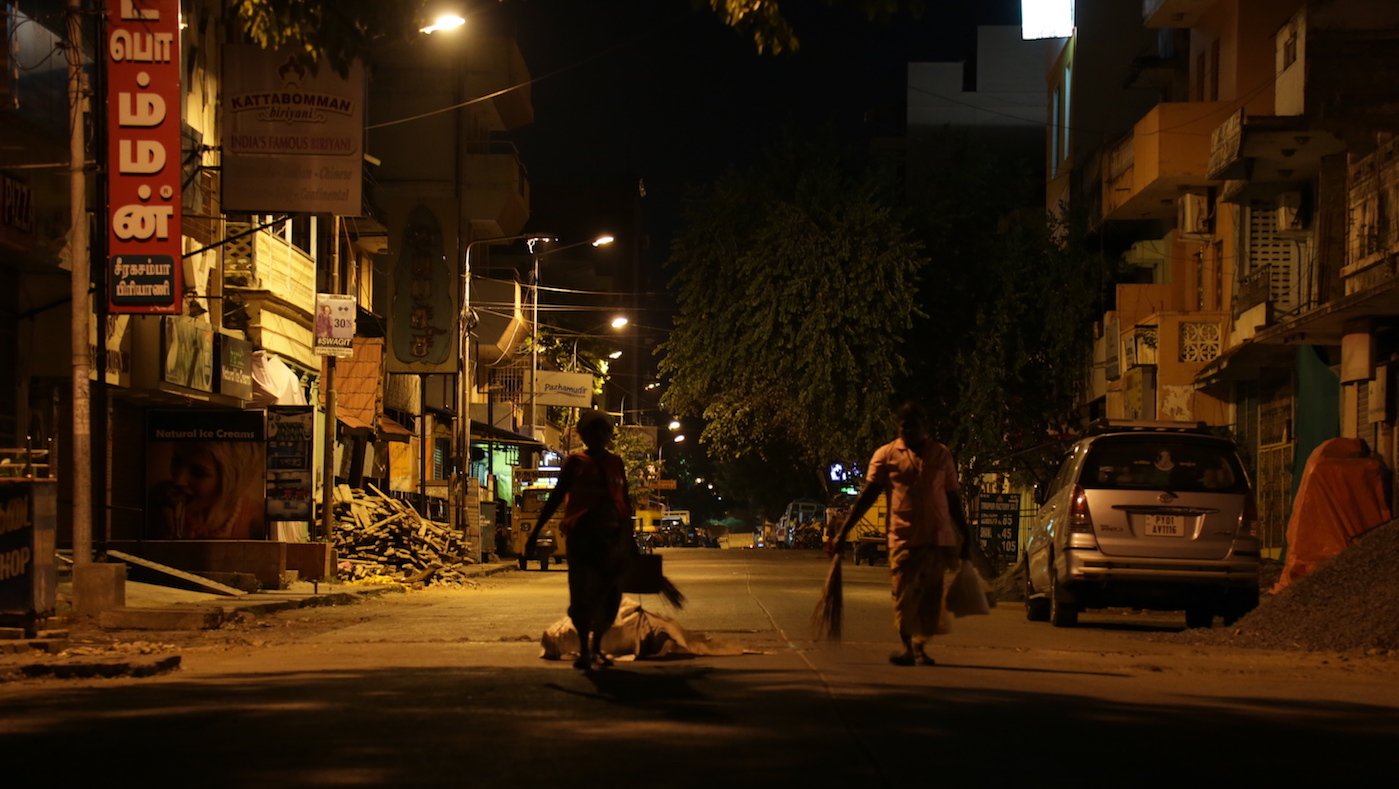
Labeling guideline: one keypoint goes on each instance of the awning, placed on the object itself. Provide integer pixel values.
(482, 433)
(352, 421)
(1244, 361)
(392, 430)
(1326, 324)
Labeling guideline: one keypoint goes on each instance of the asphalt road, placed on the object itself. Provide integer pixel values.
(447, 688)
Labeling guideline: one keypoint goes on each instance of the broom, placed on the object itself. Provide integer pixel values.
(831, 607)
(671, 594)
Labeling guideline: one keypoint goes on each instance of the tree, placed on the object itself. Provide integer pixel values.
(793, 285)
(1003, 354)
(1021, 371)
(767, 22)
(339, 32)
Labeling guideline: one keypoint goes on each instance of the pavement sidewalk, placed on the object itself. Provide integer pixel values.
(64, 647)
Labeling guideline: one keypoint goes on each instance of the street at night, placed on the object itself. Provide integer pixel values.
(445, 687)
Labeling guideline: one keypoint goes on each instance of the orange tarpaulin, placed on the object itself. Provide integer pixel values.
(1342, 496)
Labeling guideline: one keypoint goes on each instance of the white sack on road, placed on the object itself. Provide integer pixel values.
(637, 633)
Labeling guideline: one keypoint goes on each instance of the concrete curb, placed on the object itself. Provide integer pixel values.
(41, 658)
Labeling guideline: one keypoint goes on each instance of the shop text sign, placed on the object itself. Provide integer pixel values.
(143, 155)
(998, 524)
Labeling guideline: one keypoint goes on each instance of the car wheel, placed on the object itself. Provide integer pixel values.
(1036, 607)
(1240, 605)
(1198, 616)
(1062, 613)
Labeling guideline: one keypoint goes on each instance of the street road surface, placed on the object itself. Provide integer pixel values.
(446, 688)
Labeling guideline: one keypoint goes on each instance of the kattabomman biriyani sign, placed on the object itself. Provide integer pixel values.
(293, 140)
(142, 51)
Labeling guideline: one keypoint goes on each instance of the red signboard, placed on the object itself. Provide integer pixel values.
(143, 156)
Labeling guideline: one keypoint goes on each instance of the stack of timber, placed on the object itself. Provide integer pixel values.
(380, 537)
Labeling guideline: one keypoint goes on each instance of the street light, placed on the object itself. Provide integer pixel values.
(600, 241)
(443, 22)
(463, 421)
(616, 323)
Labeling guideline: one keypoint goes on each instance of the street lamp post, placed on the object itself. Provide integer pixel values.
(600, 241)
(463, 421)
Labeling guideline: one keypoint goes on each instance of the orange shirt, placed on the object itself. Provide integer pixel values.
(917, 487)
(597, 490)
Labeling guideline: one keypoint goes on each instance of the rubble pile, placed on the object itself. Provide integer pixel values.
(380, 537)
(1349, 603)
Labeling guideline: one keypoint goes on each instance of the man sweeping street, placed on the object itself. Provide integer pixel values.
(928, 530)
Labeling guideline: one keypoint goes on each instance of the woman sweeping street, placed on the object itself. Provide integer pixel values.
(598, 526)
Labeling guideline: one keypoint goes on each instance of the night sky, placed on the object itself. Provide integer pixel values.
(653, 89)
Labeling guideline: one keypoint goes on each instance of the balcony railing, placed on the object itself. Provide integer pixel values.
(1373, 234)
(260, 260)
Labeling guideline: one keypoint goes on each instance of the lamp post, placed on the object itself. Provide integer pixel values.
(616, 323)
(463, 421)
(600, 241)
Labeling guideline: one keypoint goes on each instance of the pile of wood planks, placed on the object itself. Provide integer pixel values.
(380, 537)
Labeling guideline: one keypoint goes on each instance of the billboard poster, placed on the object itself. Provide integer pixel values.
(143, 153)
(293, 140)
(206, 474)
(187, 353)
(291, 430)
(335, 325)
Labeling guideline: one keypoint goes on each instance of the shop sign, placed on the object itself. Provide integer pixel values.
(998, 525)
(143, 153)
(16, 214)
(293, 139)
(187, 353)
(206, 474)
(291, 430)
(235, 367)
(423, 315)
(335, 325)
(574, 390)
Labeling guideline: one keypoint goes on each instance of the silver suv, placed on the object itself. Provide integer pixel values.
(1151, 515)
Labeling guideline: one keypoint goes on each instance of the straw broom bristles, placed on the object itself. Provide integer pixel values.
(671, 594)
(831, 607)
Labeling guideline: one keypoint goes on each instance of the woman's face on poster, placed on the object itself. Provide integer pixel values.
(195, 474)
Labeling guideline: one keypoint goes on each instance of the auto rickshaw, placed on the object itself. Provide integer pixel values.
(551, 544)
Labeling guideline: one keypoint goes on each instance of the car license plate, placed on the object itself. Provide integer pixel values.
(1165, 526)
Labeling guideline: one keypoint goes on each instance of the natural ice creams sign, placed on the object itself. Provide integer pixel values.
(143, 152)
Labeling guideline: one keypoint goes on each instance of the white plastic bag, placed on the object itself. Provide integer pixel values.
(967, 593)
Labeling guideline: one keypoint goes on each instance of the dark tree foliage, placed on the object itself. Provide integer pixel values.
(329, 32)
(337, 32)
(768, 24)
(1001, 353)
(793, 284)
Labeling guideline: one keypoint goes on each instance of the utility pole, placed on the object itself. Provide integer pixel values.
(80, 453)
(328, 392)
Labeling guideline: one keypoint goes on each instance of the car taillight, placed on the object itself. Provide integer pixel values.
(1248, 517)
(1079, 519)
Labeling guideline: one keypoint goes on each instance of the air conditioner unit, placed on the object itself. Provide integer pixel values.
(1193, 214)
(1291, 214)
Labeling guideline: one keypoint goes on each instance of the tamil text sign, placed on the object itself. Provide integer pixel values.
(143, 155)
